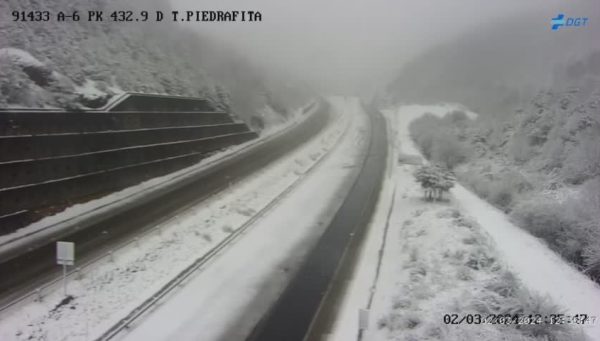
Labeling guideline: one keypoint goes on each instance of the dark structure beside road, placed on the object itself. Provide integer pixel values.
(52, 159)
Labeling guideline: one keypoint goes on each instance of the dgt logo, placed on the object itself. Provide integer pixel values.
(569, 22)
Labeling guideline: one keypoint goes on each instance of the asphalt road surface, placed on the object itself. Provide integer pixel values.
(292, 316)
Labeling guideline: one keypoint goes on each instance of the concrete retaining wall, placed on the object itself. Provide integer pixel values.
(52, 159)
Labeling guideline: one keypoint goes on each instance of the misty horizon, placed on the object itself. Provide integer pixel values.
(355, 48)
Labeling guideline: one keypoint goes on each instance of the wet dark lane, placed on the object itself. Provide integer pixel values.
(291, 316)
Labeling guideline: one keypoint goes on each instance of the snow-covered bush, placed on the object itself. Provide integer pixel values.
(422, 132)
(17, 89)
(591, 256)
(583, 161)
(501, 186)
(556, 223)
(519, 148)
(588, 211)
(434, 180)
(501, 195)
(448, 150)
(571, 227)
(505, 295)
(439, 139)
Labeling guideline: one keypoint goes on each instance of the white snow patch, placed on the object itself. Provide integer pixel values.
(89, 90)
(20, 57)
(270, 116)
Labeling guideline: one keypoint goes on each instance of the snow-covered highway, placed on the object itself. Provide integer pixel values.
(108, 291)
(227, 298)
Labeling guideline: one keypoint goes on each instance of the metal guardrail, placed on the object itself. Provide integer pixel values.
(176, 282)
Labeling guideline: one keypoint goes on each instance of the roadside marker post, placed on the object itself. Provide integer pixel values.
(363, 325)
(65, 255)
(363, 319)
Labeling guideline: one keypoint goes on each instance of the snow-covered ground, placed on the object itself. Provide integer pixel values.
(456, 257)
(20, 57)
(109, 289)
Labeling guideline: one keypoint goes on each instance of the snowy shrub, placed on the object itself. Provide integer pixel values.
(447, 150)
(410, 320)
(422, 131)
(477, 182)
(502, 197)
(434, 180)
(478, 259)
(591, 258)
(227, 229)
(540, 217)
(399, 321)
(505, 296)
(438, 138)
(418, 271)
(527, 302)
(464, 222)
(449, 213)
(501, 194)
(521, 147)
(588, 211)
(583, 162)
(504, 285)
(556, 224)
(401, 303)
(390, 321)
(501, 188)
(464, 274)
(207, 237)
(458, 118)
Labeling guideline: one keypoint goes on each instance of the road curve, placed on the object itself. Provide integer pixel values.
(292, 316)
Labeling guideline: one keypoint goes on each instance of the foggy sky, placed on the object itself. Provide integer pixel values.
(350, 46)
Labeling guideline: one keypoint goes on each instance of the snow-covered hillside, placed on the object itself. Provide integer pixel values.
(58, 64)
(534, 149)
(541, 164)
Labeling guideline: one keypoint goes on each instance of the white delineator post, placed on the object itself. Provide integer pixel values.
(363, 319)
(65, 255)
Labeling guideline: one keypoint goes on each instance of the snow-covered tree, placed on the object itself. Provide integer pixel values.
(435, 180)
